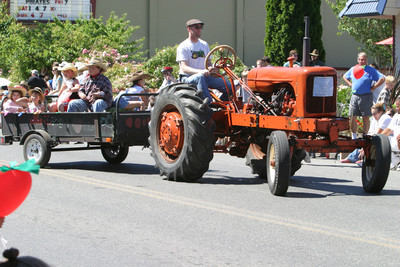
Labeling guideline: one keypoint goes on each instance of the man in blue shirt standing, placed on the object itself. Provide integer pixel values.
(360, 78)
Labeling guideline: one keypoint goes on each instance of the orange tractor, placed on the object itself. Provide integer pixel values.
(291, 111)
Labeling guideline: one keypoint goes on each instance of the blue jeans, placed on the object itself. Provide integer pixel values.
(204, 82)
(354, 156)
(79, 105)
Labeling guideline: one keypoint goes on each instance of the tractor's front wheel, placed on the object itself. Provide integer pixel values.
(278, 163)
(375, 168)
(181, 133)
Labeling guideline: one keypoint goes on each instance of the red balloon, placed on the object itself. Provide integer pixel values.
(14, 188)
(358, 71)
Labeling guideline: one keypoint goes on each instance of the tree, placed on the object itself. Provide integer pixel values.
(12, 41)
(367, 31)
(38, 47)
(284, 28)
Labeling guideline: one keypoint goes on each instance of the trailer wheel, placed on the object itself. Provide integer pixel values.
(375, 169)
(36, 147)
(181, 133)
(115, 154)
(255, 159)
(278, 163)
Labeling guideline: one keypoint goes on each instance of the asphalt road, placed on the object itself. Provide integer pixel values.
(81, 211)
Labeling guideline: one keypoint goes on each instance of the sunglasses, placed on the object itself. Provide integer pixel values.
(198, 27)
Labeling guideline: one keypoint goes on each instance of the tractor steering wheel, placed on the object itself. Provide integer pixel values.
(224, 56)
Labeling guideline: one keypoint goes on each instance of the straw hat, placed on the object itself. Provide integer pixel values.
(70, 66)
(96, 61)
(37, 90)
(81, 66)
(24, 84)
(18, 88)
(140, 75)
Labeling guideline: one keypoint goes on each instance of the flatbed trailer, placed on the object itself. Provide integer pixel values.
(40, 134)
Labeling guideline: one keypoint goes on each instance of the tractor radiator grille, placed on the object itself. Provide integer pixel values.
(321, 104)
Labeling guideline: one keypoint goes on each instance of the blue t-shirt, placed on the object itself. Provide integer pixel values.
(362, 80)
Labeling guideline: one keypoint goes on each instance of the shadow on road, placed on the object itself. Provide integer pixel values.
(231, 180)
(332, 187)
(101, 166)
(341, 165)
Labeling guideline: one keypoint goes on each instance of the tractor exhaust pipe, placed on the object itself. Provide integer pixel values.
(306, 43)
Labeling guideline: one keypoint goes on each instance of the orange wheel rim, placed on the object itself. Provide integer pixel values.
(171, 134)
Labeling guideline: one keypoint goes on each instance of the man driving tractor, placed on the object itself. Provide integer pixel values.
(191, 54)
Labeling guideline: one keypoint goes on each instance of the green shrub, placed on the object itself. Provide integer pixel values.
(343, 100)
(37, 47)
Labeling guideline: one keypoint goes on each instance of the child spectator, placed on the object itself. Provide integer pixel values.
(379, 122)
(384, 95)
(17, 101)
(168, 78)
(293, 53)
(391, 112)
(69, 88)
(36, 99)
(393, 131)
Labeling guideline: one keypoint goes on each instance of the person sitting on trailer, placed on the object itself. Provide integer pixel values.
(68, 90)
(96, 90)
(36, 100)
(134, 102)
(17, 100)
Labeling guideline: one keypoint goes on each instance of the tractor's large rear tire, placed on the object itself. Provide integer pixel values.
(255, 159)
(181, 133)
(278, 163)
(375, 169)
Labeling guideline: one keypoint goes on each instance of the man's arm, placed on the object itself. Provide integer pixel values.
(387, 131)
(347, 81)
(190, 71)
(378, 83)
